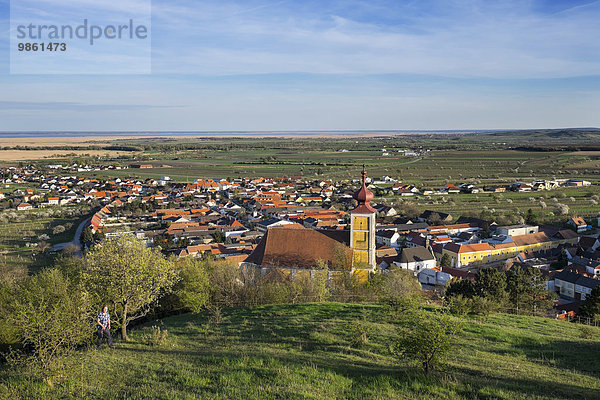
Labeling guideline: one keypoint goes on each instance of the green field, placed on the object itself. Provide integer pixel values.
(482, 159)
(18, 241)
(306, 352)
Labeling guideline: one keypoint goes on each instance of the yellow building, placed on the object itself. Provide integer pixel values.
(533, 242)
(467, 254)
(484, 253)
(362, 228)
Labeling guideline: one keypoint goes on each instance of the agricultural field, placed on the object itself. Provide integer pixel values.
(26, 237)
(311, 351)
(499, 158)
(580, 201)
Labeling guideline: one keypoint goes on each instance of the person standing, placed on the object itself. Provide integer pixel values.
(103, 325)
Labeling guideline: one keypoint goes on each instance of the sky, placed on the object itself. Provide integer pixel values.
(259, 65)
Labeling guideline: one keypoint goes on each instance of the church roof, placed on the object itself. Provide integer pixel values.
(299, 247)
(364, 197)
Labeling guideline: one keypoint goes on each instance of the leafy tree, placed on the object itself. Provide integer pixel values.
(485, 231)
(218, 237)
(491, 283)
(591, 307)
(531, 218)
(49, 314)
(125, 273)
(193, 288)
(396, 285)
(563, 259)
(87, 236)
(461, 287)
(428, 340)
(458, 305)
(99, 236)
(446, 261)
(435, 219)
(527, 289)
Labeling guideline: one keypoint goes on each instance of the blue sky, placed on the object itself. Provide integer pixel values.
(332, 65)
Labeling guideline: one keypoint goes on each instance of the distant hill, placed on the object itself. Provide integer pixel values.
(568, 134)
(306, 352)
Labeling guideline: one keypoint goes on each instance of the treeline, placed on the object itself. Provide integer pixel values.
(520, 289)
(550, 148)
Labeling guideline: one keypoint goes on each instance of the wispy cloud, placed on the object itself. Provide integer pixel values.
(449, 38)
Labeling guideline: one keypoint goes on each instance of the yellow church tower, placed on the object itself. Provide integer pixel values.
(362, 228)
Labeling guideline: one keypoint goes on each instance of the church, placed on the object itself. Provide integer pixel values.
(295, 247)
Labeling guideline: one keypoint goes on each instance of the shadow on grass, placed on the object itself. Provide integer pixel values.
(529, 387)
(368, 372)
(559, 354)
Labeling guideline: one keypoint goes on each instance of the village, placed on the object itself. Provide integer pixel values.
(296, 226)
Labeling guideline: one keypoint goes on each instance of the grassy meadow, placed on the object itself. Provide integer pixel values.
(309, 351)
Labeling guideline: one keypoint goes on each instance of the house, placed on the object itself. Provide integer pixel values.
(386, 211)
(387, 238)
(575, 286)
(24, 206)
(451, 188)
(435, 217)
(433, 277)
(579, 224)
(521, 187)
(495, 189)
(415, 259)
(515, 230)
(566, 236)
(466, 254)
(53, 201)
(263, 226)
(591, 266)
(588, 243)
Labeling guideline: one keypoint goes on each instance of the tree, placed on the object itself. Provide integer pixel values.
(396, 285)
(591, 307)
(435, 218)
(429, 338)
(193, 287)
(87, 236)
(461, 287)
(491, 283)
(218, 237)
(49, 314)
(527, 289)
(531, 218)
(125, 273)
(446, 261)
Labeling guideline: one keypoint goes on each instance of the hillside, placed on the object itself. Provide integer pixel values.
(306, 352)
(575, 137)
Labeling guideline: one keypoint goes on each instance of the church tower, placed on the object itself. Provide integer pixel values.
(362, 228)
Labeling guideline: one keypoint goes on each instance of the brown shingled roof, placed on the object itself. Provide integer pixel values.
(531, 238)
(297, 247)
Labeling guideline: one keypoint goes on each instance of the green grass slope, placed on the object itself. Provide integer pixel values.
(307, 352)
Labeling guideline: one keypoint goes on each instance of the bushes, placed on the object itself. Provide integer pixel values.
(156, 336)
(396, 285)
(458, 305)
(461, 306)
(428, 339)
(49, 315)
(193, 287)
